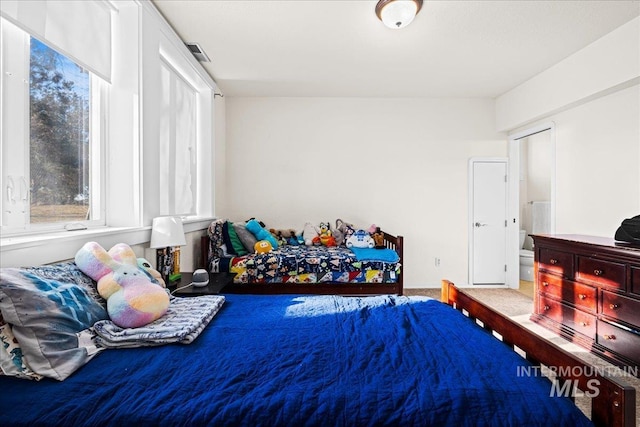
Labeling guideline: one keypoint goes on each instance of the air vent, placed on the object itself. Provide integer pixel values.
(197, 51)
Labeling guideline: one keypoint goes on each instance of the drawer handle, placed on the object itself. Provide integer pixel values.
(584, 324)
(546, 308)
(598, 272)
(553, 261)
(609, 337)
(582, 296)
(545, 283)
(613, 306)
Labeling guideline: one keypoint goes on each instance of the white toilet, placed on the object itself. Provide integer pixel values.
(526, 260)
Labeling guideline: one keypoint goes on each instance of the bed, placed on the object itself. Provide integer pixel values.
(303, 269)
(326, 360)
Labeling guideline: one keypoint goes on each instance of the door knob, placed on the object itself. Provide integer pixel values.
(479, 224)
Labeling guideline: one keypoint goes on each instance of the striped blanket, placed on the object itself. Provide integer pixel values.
(185, 319)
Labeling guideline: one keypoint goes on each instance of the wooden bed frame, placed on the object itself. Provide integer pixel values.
(612, 402)
(325, 288)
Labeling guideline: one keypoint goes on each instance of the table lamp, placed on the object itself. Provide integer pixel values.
(167, 235)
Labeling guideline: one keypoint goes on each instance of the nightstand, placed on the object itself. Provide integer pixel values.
(217, 281)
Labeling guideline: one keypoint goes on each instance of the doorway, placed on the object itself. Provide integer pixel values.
(488, 224)
(532, 184)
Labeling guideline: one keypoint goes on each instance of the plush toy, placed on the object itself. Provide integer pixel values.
(259, 222)
(345, 229)
(263, 247)
(155, 274)
(310, 234)
(133, 299)
(293, 239)
(325, 237)
(286, 236)
(279, 235)
(360, 239)
(338, 236)
(378, 238)
(260, 233)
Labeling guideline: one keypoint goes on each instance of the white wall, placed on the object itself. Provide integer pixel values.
(398, 163)
(593, 97)
(598, 168)
(610, 63)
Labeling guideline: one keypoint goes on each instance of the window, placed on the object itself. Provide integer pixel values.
(59, 149)
(50, 139)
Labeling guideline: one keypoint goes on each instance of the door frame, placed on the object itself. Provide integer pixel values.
(513, 251)
(508, 236)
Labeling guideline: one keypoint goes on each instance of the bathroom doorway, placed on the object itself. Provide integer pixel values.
(532, 155)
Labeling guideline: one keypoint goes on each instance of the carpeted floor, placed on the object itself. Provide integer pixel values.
(518, 305)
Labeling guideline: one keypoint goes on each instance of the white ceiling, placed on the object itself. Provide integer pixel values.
(340, 48)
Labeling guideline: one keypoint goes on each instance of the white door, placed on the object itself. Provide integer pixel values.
(489, 222)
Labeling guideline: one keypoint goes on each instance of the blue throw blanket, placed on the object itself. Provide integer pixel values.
(303, 360)
(372, 254)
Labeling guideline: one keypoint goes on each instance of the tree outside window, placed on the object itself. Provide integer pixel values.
(60, 155)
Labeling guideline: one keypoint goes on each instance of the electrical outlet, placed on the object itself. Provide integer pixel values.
(437, 262)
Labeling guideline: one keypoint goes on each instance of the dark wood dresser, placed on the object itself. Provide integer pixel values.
(587, 289)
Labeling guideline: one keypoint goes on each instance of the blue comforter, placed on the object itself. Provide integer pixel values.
(303, 360)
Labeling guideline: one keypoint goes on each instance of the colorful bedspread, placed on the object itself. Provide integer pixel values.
(307, 264)
(314, 361)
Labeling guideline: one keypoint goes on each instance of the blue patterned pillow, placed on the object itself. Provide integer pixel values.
(12, 362)
(50, 308)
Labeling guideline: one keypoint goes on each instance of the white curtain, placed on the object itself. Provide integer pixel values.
(78, 29)
(177, 144)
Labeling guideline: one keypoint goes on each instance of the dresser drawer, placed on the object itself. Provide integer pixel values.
(621, 307)
(601, 273)
(619, 340)
(578, 294)
(568, 316)
(556, 262)
(635, 280)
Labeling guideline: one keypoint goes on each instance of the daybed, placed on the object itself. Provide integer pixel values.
(307, 269)
(327, 360)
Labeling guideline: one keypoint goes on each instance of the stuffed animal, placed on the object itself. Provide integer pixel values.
(279, 236)
(259, 222)
(338, 236)
(155, 274)
(260, 233)
(378, 238)
(293, 239)
(286, 236)
(360, 239)
(325, 237)
(263, 247)
(345, 229)
(133, 299)
(310, 234)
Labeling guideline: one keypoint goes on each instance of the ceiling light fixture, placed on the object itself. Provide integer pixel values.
(397, 13)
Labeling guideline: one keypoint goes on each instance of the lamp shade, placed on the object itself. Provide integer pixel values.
(167, 231)
(397, 13)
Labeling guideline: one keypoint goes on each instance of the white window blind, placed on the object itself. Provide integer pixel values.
(51, 163)
(80, 30)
